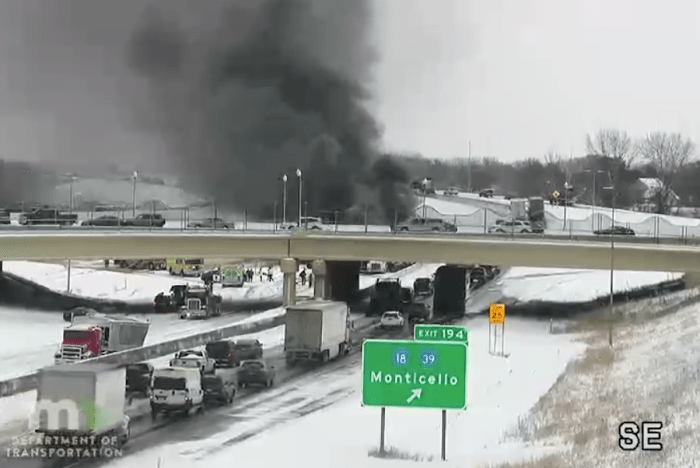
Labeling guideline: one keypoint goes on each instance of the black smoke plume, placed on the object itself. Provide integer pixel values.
(265, 88)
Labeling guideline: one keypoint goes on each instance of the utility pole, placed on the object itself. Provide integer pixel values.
(300, 191)
(469, 166)
(133, 196)
(284, 200)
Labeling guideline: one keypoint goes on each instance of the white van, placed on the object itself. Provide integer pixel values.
(176, 389)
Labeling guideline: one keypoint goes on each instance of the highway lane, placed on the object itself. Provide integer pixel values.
(298, 391)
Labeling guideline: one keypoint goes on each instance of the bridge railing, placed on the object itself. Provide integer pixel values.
(574, 223)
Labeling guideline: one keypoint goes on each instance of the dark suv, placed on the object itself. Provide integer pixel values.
(248, 349)
(224, 353)
(146, 220)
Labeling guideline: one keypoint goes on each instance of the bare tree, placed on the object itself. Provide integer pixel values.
(552, 157)
(613, 144)
(667, 152)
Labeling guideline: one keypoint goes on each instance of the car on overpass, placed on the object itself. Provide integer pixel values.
(426, 225)
(615, 231)
(103, 221)
(211, 223)
(4, 216)
(451, 192)
(511, 226)
(146, 220)
(307, 223)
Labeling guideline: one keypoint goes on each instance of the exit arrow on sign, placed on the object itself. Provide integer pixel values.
(415, 393)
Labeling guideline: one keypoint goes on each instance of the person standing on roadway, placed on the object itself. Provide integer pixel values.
(302, 275)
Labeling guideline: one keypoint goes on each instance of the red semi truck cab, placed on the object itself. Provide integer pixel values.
(79, 342)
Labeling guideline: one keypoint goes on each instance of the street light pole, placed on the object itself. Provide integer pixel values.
(70, 203)
(612, 262)
(594, 189)
(284, 199)
(425, 192)
(612, 270)
(300, 191)
(469, 167)
(133, 196)
(566, 200)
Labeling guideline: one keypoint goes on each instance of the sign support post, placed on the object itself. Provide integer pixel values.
(497, 316)
(444, 435)
(382, 431)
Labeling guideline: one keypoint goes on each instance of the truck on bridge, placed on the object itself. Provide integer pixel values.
(47, 216)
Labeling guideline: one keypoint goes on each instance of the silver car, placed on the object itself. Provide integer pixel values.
(426, 225)
(511, 226)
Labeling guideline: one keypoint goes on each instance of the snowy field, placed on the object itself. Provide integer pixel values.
(651, 374)
(536, 360)
(470, 208)
(520, 285)
(129, 287)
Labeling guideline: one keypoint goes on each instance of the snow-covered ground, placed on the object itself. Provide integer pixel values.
(470, 208)
(128, 287)
(519, 285)
(651, 374)
(341, 435)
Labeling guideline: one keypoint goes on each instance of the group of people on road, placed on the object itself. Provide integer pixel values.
(262, 274)
(267, 274)
(303, 276)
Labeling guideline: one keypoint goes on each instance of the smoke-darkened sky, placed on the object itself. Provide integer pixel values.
(233, 93)
(514, 78)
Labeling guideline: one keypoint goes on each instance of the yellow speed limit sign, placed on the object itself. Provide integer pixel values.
(497, 314)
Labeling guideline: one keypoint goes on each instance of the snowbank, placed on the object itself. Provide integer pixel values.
(343, 434)
(651, 374)
(524, 284)
(128, 287)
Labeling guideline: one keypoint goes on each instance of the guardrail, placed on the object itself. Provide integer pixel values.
(29, 382)
(574, 236)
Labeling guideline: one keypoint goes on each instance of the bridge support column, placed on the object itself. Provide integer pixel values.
(692, 280)
(318, 268)
(343, 280)
(289, 286)
(0, 266)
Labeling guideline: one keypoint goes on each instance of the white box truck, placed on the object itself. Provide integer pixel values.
(81, 407)
(316, 331)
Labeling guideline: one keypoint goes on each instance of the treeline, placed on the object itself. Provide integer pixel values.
(614, 159)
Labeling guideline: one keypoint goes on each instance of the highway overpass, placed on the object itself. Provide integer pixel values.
(342, 252)
(595, 253)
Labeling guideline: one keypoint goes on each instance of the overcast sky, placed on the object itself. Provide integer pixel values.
(516, 77)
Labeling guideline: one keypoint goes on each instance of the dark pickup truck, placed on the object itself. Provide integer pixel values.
(47, 216)
(146, 220)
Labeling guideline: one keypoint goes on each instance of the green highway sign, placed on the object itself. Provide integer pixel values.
(441, 333)
(420, 374)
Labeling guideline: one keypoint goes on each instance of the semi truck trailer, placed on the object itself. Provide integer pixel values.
(81, 407)
(316, 331)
